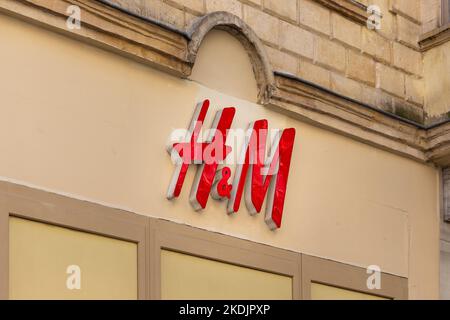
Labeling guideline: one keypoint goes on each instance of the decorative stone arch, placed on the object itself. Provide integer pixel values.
(240, 30)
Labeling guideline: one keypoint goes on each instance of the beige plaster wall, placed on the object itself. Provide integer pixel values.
(88, 123)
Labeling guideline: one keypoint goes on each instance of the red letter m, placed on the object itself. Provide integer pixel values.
(261, 178)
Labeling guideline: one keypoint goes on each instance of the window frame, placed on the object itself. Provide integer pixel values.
(153, 235)
(166, 235)
(348, 277)
(52, 209)
(445, 12)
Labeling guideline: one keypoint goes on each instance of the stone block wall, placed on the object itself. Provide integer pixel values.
(383, 68)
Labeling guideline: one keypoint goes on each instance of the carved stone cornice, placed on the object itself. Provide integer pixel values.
(438, 144)
(353, 10)
(329, 110)
(109, 28)
(174, 52)
(435, 38)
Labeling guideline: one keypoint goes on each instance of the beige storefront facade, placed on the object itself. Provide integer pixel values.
(84, 170)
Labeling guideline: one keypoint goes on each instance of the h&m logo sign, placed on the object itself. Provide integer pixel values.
(257, 175)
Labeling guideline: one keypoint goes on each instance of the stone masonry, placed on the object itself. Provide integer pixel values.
(382, 68)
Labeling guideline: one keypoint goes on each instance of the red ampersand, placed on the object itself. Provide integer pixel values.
(223, 187)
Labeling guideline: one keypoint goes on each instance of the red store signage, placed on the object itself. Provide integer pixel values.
(257, 176)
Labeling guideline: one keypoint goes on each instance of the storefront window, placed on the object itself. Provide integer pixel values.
(324, 292)
(50, 262)
(187, 277)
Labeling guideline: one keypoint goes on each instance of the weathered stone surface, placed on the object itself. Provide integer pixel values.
(376, 46)
(315, 16)
(360, 67)
(414, 89)
(346, 86)
(408, 111)
(190, 19)
(282, 61)
(408, 32)
(231, 6)
(350, 9)
(390, 80)
(195, 5)
(297, 99)
(388, 20)
(253, 2)
(346, 31)
(286, 9)
(297, 40)
(265, 25)
(430, 13)
(329, 54)
(377, 98)
(407, 59)
(315, 74)
(409, 8)
(162, 11)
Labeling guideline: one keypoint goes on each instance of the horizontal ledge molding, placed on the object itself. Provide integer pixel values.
(435, 38)
(353, 10)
